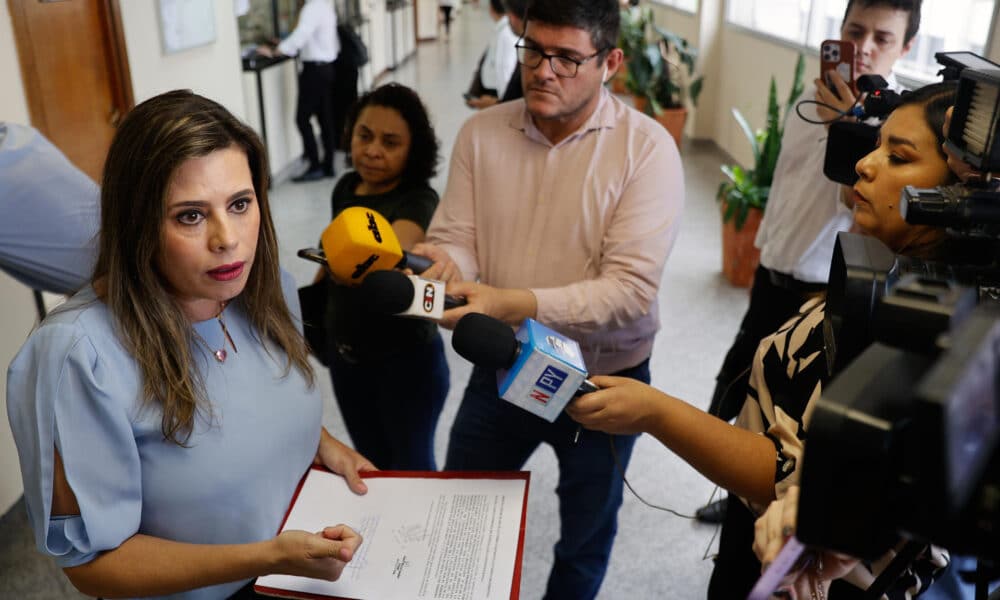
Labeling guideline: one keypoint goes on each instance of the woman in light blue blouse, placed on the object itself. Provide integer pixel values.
(165, 414)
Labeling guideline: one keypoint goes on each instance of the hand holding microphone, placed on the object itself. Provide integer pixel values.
(620, 406)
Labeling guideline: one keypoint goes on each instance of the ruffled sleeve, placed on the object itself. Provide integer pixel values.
(63, 393)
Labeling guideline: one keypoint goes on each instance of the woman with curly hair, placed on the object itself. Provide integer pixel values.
(389, 374)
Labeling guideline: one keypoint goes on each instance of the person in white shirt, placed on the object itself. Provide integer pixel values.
(805, 210)
(500, 59)
(314, 40)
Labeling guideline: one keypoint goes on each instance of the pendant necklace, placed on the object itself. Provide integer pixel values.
(220, 354)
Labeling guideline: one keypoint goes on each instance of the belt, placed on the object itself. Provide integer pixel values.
(787, 282)
(317, 63)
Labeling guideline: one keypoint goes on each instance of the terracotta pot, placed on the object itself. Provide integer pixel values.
(739, 256)
(672, 119)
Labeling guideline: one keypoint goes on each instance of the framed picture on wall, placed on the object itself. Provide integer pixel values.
(186, 24)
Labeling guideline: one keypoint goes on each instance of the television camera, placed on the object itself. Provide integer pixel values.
(904, 443)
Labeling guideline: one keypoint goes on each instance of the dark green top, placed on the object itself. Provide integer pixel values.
(358, 334)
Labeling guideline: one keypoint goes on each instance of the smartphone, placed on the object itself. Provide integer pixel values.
(837, 55)
(793, 557)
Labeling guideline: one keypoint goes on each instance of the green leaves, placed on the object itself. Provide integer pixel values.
(661, 71)
(747, 189)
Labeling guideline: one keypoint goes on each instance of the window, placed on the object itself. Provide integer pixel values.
(944, 25)
(688, 5)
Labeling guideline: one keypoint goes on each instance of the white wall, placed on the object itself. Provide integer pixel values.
(213, 70)
(13, 105)
(17, 317)
(427, 19)
(280, 86)
(744, 78)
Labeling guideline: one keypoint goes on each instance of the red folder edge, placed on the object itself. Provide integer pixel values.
(515, 588)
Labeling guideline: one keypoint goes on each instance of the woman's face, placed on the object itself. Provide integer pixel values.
(209, 235)
(908, 154)
(380, 146)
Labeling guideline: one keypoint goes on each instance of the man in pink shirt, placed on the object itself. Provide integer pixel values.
(561, 207)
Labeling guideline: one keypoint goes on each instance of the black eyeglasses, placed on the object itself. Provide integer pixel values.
(563, 66)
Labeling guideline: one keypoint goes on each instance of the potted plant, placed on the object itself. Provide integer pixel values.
(632, 41)
(663, 82)
(744, 193)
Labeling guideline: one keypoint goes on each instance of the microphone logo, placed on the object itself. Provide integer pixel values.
(548, 384)
(428, 298)
(373, 227)
(562, 348)
(361, 268)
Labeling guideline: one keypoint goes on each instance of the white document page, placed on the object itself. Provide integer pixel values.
(424, 537)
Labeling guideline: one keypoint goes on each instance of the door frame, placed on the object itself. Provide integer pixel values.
(114, 43)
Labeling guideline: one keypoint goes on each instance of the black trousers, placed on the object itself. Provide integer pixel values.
(316, 99)
(344, 95)
(770, 306)
(736, 566)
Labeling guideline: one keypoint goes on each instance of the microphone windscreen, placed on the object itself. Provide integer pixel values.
(357, 242)
(387, 292)
(485, 341)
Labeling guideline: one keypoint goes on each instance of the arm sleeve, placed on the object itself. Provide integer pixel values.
(453, 227)
(636, 244)
(308, 22)
(62, 395)
(48, 237)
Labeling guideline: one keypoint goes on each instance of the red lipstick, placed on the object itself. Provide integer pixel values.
(227, 272)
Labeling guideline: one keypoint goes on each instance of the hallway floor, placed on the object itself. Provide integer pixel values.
(656, 555)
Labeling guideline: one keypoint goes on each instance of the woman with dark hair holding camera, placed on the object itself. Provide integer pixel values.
(389, 373)
(166, 413)
(792, 365)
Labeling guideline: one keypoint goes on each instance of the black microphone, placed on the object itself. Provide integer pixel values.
(394, 293)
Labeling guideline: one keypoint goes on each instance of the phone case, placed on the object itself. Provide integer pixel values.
(837, 55)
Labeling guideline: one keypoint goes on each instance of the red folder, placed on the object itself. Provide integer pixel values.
(522, 475)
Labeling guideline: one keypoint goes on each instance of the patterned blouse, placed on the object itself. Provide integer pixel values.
(790, 366)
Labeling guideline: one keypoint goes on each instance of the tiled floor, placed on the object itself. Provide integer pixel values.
(656, 555)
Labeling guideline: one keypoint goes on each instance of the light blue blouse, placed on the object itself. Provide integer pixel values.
(73, 386)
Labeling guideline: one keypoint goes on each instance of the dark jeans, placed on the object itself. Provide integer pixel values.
(315, 99)
(770, 306)
(492, 434)
(391, 406)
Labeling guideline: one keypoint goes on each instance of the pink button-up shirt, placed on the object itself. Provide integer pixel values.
(586, 224)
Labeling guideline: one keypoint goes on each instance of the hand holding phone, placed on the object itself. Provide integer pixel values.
(837, 55)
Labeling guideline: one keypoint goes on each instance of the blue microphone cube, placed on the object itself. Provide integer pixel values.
(547, 373)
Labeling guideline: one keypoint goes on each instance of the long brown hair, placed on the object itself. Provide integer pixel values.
(152, 142)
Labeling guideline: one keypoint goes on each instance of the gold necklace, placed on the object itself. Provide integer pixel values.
(220, 354)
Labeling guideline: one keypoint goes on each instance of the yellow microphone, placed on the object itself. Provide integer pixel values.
(360, 241)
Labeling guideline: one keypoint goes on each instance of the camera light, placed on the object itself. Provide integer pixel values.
(973, 134)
